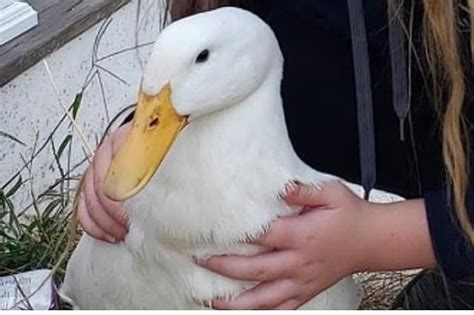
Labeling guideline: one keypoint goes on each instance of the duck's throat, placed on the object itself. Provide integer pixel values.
(221, 179)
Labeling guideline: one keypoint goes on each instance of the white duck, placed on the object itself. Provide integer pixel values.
(201, 170)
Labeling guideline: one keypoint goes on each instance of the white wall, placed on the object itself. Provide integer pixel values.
(29, 106)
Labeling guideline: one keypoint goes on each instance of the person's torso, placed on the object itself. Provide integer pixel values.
(319, 96)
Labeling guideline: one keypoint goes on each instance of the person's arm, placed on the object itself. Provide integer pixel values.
(341, 234)
(398, 237)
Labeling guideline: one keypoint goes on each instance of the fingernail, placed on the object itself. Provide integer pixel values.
(111, 239)
(124, 215)
(290, 189)
(199, 261)
(316, 186)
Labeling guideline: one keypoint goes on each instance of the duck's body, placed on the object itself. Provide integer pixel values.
(218, 186)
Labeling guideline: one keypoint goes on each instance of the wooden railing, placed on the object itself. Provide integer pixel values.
(59, 22)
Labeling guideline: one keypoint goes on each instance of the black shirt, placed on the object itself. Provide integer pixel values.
(318, 90)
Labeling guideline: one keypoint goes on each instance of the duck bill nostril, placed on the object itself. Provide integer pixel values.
(155, 121)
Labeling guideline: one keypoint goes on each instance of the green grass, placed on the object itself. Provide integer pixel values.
(42, 234)
(36, 240)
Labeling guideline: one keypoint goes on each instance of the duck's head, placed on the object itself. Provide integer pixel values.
(199, 65)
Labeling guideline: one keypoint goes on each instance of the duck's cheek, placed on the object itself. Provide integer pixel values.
(195, 98)
(155, 127)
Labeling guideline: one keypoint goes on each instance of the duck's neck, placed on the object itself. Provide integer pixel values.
(255, 125)
(221, 179)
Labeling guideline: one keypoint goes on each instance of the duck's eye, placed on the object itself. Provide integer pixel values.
(203, 56)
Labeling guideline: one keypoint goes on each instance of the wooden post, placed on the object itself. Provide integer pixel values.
(16, 17)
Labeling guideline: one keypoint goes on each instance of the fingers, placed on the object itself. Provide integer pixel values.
(278, 236)
(89, 226)
(102, 160)
(100, 216)
(311, 195)
(262, 267)
(97, 213)
(265, 296)
(291, 304)
(118, 137)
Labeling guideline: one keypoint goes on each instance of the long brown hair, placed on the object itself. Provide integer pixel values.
(444, 56)
(445, 68)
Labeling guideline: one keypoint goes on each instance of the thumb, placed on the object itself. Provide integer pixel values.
(307, 195)
(119, 137)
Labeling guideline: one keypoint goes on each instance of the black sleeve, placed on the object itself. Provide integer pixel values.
(453, 250)
(454, 253)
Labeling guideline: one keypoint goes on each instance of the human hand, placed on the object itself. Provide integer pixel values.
(99, 216)
(311, 251)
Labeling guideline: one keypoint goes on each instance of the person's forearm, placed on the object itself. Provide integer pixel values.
(397, 237)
